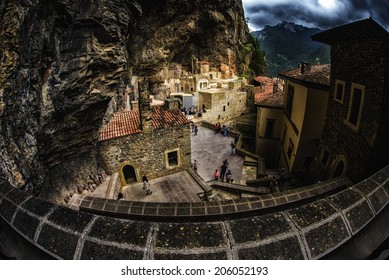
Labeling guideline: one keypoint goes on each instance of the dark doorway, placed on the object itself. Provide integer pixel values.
(129, 174)
(339, 169)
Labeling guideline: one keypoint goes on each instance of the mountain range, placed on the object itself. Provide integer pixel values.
(287, 44)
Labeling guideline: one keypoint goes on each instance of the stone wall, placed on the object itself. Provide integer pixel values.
(364, 150)
(223, 104)
(146, 151)
(64, 64)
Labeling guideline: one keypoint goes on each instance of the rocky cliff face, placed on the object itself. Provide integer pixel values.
(65, 63)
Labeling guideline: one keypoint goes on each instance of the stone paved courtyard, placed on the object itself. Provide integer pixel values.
(209, 150)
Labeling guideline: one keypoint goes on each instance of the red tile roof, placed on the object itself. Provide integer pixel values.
(263, 79)
(264, 94)
(128, 122)
(268, 98)
(121, 124)
(317, 74)
(163, 117)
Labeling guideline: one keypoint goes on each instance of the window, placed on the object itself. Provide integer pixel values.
(172, 158)
(290, 149)
(355, 107)
(325, 157)
(224, 108)
(270, 124)
(339, 91)
(289, 101)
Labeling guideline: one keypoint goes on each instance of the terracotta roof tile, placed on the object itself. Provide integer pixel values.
(128, 122)
(268, 98)
(318, 74)
(162, 117)
(121, 124)
(263, 79)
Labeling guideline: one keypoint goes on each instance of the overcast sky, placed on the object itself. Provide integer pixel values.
(323, 14)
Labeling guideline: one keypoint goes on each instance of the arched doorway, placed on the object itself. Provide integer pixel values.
(339, 169)
(129, 174)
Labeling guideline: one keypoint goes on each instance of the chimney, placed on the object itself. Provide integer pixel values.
(305, 66)
(275, 88)
(145, 111)
(172, 103)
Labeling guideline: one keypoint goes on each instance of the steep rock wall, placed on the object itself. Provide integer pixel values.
(65, 65)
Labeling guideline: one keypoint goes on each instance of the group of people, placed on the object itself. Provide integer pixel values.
(223, 129)
(194, 127)
(189, 111)
(223, 173)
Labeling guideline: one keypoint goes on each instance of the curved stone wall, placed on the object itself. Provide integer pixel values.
(311, 230)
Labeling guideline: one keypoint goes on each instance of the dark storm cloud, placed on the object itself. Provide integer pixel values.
(323, 14)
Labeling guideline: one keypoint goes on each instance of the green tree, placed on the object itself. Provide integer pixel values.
(258, 62)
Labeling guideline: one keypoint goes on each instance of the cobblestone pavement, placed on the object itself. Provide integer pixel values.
(210, 150)
(179, 187)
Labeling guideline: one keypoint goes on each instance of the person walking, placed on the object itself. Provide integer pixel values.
(146, 185)
(216, 174)
(196, 130)
(232, 148)
(223, 170)
(273, 184)
(229, 176)
(195, 165)
(236, 138)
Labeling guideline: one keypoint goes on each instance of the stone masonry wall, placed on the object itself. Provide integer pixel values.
(147, 151)
(368, 61)
(225, 105)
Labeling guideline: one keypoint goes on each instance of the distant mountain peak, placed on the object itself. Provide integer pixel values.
(290, 26)
(276, 40)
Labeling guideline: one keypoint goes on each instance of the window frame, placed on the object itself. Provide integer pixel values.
(352, 93)
(167, 163)
(337, 83)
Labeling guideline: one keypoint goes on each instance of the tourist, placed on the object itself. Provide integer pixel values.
(229, 130)
(146, 185)
(229, 176)
(196, 129)
(225, 162)
(273, 184)
(236, 139)
(224, 131)
(223, 170)
(232, 148)
(217, 128)
(195, 165)
(216, 174)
